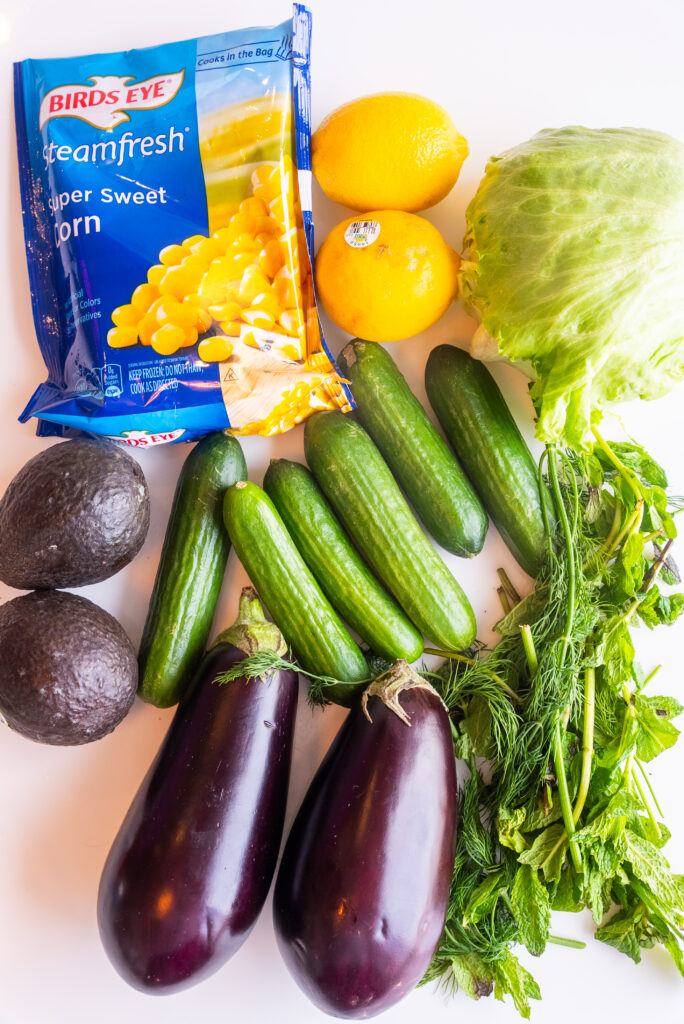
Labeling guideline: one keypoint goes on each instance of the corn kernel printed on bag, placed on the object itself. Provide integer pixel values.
(166, 195)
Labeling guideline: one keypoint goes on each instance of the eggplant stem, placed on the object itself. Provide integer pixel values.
(252, 632)
(391, 684)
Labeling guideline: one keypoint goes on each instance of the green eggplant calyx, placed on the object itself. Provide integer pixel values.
(391, 684)
(252, 632)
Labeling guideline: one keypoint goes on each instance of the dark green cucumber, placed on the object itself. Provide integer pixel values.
(421, 461)
(191, 569)
(296, 602)
(485, 437)
(359, 485)
(344, 577)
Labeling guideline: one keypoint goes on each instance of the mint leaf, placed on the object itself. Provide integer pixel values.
(472, 975)
(540, 815)
(623, 931)
(483, 899)
(477, 725)
(547, 852)
(675, 951)
(463, 748)
(656, 732)
(656, 608)
(615, 651)
(637, 459)
(508, 824)
(567, 896)
(631, 566)
(621, 807)
(531, 909)
(596, 891)
(527, 610)
(649, 865)
(511, 978)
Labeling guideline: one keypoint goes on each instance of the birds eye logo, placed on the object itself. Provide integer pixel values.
(104, 102)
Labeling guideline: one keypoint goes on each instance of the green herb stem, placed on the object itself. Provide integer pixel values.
(587, 742)
(557, 940)
(542, 490)
(530, 652)
(623, 470)
(569, 548)
(647, 804)
(651, 575)
(631, 526)
(564, 795)
(505, 602)
(509, 589)
(649, 786)
(557, 741)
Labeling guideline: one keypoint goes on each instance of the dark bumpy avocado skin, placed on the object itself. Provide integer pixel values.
(74, 515)
(68, 672)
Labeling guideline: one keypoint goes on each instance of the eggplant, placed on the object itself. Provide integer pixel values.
(361, 895)
(191, 866)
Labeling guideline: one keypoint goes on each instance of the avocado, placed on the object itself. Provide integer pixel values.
(68, 672)
(74, 515)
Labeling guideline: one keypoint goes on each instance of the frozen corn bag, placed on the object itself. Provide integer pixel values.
(166, 195)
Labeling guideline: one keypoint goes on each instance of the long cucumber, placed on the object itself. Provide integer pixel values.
(421, 461)
(286, 586)
(485, 437)
(359, 485)
(190, 572)
(336, 564)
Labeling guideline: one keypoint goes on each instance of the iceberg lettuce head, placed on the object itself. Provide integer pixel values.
(574, 260)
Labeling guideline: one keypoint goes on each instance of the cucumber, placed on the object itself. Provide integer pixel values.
(296, 602)
(336, 564)
(360, 487)
(190, 573)
(423, 464)
(485, 437)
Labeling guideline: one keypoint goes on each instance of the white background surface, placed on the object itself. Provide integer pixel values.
(504, 71)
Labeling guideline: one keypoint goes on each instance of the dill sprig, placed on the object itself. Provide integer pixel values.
(263, 663)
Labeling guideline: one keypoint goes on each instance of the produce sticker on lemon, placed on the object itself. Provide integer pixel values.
(386, 275)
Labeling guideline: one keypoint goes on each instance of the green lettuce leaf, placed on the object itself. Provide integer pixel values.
(573, 258)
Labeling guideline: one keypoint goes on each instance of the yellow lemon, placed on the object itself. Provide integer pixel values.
(386, 275)
(392, 150)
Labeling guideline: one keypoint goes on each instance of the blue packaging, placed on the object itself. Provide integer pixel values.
(166, 197)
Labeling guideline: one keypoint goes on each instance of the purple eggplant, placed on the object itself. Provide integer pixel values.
(193, 861)
(361, 895)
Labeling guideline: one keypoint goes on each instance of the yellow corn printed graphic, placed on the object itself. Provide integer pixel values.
(246, 273)
(241, 294)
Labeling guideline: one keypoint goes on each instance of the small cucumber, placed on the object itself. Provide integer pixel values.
(360, 487)
(296, 602)
(341, 572)
(485, 437)
(191, 569)
(422, 462)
